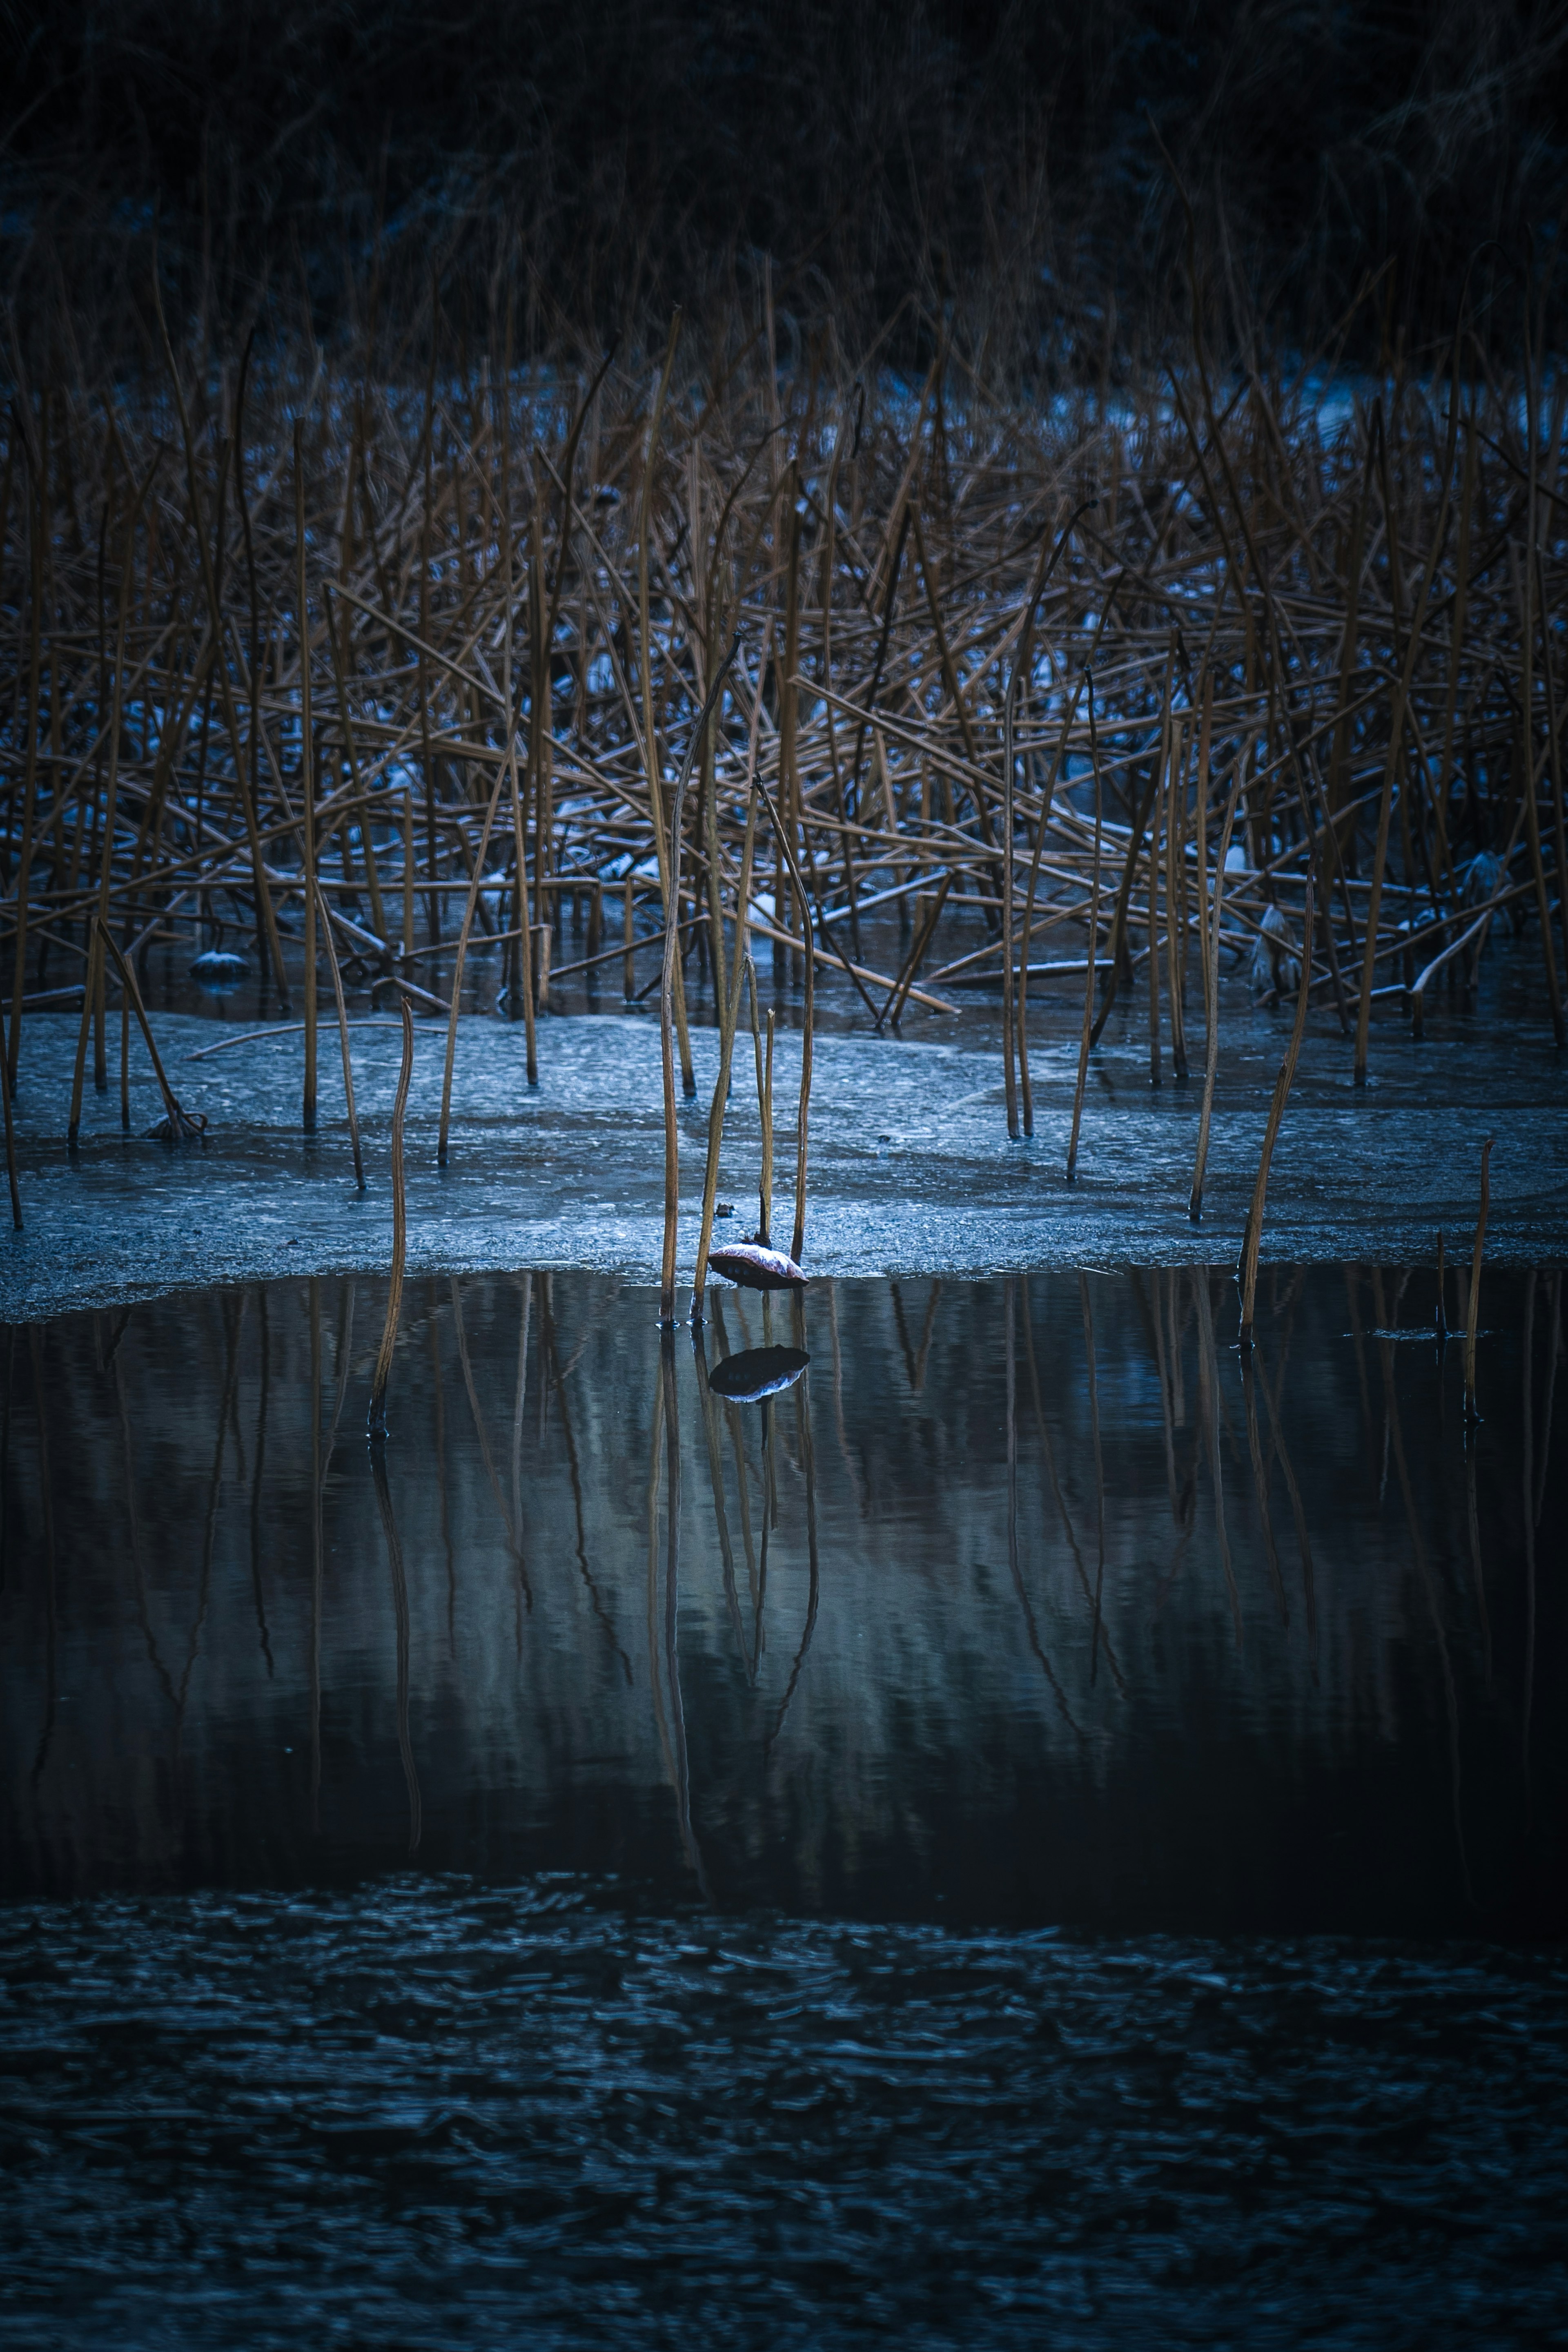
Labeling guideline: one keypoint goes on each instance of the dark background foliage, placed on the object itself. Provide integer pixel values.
(895, 161)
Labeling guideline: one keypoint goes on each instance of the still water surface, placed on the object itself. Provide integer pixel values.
(1037, 1828)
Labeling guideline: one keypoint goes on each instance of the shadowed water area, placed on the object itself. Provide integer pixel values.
(1041, 1826)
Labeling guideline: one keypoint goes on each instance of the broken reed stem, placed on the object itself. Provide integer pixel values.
(326, 942)
(376, 1424)
(1253, 1235)
(1092, 953)
(1473, 1307)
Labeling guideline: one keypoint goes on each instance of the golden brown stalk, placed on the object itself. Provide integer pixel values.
(667, 888)
(1254, 1230)
(1175, 895)
(1549, 680)
(1025, 1089)
(93, 996)
(730, 1014)
(377, 1423)
(214, 607)
(667, 990)
(1394, 756)
(1441, 1316)
(1091, 953)
(178, 1123)
(475, 882)
(327, 941)
(1153, 911)
(1210, 949)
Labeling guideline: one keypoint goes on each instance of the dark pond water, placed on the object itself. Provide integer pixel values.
(1036, 1830)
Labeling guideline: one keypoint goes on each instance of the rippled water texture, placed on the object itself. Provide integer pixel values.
(1037, 1831)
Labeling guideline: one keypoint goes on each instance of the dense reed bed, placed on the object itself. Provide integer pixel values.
(1103, 692)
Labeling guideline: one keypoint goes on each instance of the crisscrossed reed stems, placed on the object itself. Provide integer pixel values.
(425, 603)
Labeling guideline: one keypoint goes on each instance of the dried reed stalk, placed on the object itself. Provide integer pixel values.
(377, 1419)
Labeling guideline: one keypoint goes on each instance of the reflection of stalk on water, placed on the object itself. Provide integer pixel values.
(809, 1463)
(655, 1472)
(46, 1484)
(1208, 1416)
(1555, 1351)
(672, 1608)
(1024, 1603)
(514, 1534)
(1478, 1576)
(256, 1543)
(342, 1364)
(672, 1737)
(1261, 1483)
(5, 1453)
(1085, 1303)
(915, 1360)
(1178, 1340)
(438, 1395)
(400, 1609)
(519, 1399)
(321, 1466)
(1154, 1325)
(317, 1547)
(770, 1521)
(232, 1315)
(438, 1391)
(137, 1565)
(715, 1479)
(742, 1481)
(1473, 1305)
(1450, 1697)
(550, 1352)
(896, 1298)
(1058, 1497)
(850, 1472)
(1354, 1306)
(1529, 1468)
(377, 1420)
(1277, 1445)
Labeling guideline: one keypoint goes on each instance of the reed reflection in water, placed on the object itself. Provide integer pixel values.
(1025, 1601)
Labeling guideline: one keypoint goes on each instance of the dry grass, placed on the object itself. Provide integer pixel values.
(268, 630)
